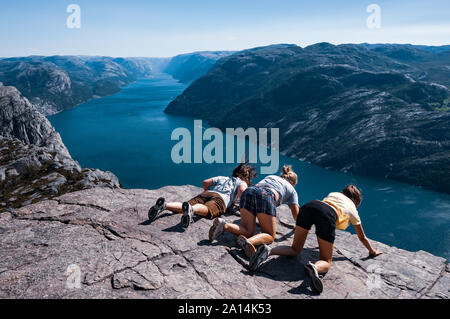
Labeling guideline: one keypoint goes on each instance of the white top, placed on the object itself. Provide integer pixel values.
(344, 207)
(226, 187)
(286, 192)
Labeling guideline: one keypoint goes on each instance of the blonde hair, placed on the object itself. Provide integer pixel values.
(288, 174)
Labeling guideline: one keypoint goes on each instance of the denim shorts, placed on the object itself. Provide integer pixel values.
(259, 199)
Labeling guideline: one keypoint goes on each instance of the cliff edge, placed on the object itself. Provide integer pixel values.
(102, 237)
(34, 162)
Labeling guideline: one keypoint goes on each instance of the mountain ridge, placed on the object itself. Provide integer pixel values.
(344, 107)
(56, 83)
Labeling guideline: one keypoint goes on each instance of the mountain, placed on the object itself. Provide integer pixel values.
(188, 67)
(348, 107)
(100, 239)
(56, 83)
(34, 162)
(432, 63)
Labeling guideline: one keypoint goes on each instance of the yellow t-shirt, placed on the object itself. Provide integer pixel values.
(345, 209)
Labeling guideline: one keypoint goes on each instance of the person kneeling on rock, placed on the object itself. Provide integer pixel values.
(260, 202)
(225, 192)
(334, 211)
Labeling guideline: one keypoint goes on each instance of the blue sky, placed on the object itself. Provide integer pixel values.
(166, 28)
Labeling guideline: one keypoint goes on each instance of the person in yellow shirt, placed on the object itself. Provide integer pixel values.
(334, 211)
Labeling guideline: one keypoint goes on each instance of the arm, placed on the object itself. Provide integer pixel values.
(363, 239)
(207, 183)
(295, 209)
(241, 189)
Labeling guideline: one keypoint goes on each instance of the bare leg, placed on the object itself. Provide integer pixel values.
(297, 245)
(174, 207)
(199, 209)
(268, 225)
(247, 227)
(326, 256)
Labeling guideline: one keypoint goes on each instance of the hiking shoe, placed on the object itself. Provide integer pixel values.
(316, 283)
(261, 255)
(156, 209)
(188, 215)
(246, 245)
(216, 229)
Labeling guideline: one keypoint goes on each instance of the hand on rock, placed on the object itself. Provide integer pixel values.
(375, 253)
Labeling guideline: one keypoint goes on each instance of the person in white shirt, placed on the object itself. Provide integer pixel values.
(261, 202)
(334, 211)
(211, 203)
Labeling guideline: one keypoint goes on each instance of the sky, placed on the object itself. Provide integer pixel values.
(166, 28)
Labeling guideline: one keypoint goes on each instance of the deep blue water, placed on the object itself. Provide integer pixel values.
(129, 134)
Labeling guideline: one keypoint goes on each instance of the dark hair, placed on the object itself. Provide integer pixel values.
(353, 193)
(245, 172)
(288, 174)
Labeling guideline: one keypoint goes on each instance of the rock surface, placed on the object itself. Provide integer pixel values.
(21, 120)
(103, 236)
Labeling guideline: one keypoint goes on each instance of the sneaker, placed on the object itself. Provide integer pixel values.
(188, 215)
(261, 255)
(248, 247)
(156, 209)
(216, 229)
(316, 283)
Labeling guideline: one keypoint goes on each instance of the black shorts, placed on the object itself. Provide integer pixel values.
(322, 216)
(259, 199)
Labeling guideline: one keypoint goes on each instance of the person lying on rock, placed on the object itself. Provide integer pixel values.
(260, 202)
(334, 211)
(225, 192)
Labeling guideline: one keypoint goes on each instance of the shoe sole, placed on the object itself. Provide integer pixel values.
(153, 212)
(249, 250)
(212, 230)
(316, 283)
(255, 260)
(185, 219)
(242, 241)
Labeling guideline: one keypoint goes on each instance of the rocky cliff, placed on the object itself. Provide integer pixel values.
(34, 162)
(101, 237)
(346, 107)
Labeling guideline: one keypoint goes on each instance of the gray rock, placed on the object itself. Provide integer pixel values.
(2, 174)
(12, 172)
(54, 183)
(20, 119)
(25, 163)
(104, 233)
(33, 159)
